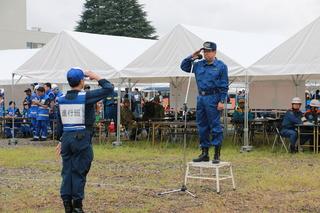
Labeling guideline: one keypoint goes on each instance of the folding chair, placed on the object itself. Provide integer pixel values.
(277, 138)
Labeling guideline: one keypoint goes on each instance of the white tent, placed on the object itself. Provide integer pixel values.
(243, 47)
(161, 62)
(291, 63)
(100, 53)
(296, 59)
(10, 60)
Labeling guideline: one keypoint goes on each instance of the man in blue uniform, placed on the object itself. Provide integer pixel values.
(42, 115)
(76, 121)
(28, 97)
(51, 96)
(213, 84)
(12, 112)
(110, 104)
(2, 110)
(291, 118)
(25, 125)
(33, 111)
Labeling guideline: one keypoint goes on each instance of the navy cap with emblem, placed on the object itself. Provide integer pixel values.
(208, 45)
(75, 75)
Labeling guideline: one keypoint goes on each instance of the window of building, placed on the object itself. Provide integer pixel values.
(33, 45)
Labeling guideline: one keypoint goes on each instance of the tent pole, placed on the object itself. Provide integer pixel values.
(246, 147)
(118, 141)
(13, 139)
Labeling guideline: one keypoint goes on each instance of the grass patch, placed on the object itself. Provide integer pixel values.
(127, 179)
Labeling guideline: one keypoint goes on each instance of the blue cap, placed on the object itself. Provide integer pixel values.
(75, 75)
(208, 45)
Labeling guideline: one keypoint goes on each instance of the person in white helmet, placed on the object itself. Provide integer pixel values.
(313, 114)
(292, 117)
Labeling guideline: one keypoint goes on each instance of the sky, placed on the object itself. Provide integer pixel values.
(276, 17)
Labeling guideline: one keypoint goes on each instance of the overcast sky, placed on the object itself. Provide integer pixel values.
(280, 17)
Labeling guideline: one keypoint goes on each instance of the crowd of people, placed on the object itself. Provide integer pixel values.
(39, 108)
(291, 119)
(39, 112)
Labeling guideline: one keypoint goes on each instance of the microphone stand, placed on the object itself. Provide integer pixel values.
(185, 110)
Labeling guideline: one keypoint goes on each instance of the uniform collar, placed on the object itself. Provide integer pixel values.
(214, 63)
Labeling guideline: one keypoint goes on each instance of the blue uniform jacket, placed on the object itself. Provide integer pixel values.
(291, 118)
(50, 95)
(209, 77)
(111, 99)
(92, 97)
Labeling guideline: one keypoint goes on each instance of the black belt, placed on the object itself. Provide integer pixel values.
(212, 92)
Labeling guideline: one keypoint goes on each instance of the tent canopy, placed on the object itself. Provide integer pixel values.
(162, 60)
(245, 48)
(298, 58)
(100, 53)
(10, 60)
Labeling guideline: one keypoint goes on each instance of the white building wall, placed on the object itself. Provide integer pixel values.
(13, 27)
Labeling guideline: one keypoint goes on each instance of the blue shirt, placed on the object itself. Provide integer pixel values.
(2, 111)
(111, 99)
(209, 77)
(291, 118)
(50, 95)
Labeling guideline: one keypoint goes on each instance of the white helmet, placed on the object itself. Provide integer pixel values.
(315, 103)
(37, 87)
(296, 100)
(53, 86)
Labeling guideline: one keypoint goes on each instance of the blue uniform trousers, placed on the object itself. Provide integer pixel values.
(41, 129)
(208, 121)
(77, 155)
(291, 134)
(111, 112)
(8, 130)
(33, 126)
(25, 129)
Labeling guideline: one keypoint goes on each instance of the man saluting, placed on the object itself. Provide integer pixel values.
(212, 81)
(76, 118)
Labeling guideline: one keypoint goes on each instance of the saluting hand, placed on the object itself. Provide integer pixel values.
(195, 54)
(92, 75)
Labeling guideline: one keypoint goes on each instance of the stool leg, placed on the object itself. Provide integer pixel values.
(233, 183)
(186, 175)
(218, 180)
(201, 173)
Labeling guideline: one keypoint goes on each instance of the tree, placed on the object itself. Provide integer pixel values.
(116, 17)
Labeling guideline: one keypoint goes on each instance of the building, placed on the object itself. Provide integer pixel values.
(13, 27)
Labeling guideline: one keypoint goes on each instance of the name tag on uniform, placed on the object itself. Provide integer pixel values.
(72, 113)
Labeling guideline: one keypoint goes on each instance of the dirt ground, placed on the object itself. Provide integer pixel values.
(128, 178)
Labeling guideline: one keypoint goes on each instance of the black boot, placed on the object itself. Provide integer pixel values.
(204, 156)
(67, 206)
(292, 149)
(77, 206)
(216, 157)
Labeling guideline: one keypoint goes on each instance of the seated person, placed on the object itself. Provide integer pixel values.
(12, 112)
(2, 111)
(25, 126)
(292, 117)
(127, 119)
(313, 114)
(238, 114)
(153, 110)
